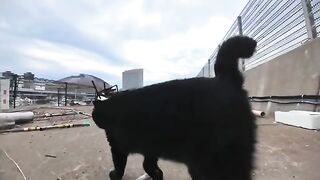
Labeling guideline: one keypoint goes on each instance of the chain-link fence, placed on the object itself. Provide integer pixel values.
(278, 27)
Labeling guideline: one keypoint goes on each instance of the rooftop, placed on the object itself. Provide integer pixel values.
(283, 152)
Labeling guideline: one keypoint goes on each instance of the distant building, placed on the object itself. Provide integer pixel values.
(40, 86)
(28, 76)
(132, 79)
(8, 75)
(4, 93)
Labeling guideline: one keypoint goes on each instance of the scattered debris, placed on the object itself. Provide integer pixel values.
(84, 113)
(55, 114)
(10, 120)
(51, 156)
(37, 128)
(258, 113)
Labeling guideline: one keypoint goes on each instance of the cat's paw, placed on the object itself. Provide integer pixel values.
(115, 175)
(158, 175)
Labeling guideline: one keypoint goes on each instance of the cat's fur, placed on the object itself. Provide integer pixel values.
(205, 123)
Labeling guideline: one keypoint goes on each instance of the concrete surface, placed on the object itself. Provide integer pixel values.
(294, 73)
(283, 152)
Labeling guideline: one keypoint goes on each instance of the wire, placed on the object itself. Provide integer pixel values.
(273, 50)
(279, 43)
(246, 18)
(275, 47)
(262, 18)
(247, 8)
(256, 62)
(24, 177)
(281, 31)
(230, 32)
(287, 102)
(316, 4)
(272, 27)
(276, 15)
(303, 96)
(254, 21)
(315, 11)
(277, 24)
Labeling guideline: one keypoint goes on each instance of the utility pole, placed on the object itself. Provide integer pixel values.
(15, 88)
(65, 94)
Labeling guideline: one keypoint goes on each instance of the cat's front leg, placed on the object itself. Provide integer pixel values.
(119, 161)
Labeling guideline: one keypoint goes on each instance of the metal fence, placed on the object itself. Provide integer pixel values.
(46, 92)
(278, 26)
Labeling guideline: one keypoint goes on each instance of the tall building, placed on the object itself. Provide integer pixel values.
(132, 79)
(4, 93)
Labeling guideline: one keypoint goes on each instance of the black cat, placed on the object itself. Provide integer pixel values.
(205, 123)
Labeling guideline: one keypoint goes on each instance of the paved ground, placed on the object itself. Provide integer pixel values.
(283, 152)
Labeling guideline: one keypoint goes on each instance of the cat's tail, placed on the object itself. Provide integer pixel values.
(229, 53)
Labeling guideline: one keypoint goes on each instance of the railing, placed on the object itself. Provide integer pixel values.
(34, 92)
(278, 26)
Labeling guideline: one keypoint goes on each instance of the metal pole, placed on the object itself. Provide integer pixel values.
(241, 33)
(309, 19)
(58, 96)
(240, 25)
(65, 94)
(318, 93)
(15, 77)
(209, 67)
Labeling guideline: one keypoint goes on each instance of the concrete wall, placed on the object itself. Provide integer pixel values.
(294, 73)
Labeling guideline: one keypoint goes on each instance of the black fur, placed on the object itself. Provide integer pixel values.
(205, 123)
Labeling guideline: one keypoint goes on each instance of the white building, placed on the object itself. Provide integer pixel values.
(4, 93)
(132, 79)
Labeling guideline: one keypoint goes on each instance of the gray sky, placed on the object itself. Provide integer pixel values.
(58, 38)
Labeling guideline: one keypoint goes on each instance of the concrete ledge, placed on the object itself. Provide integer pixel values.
(304, 119)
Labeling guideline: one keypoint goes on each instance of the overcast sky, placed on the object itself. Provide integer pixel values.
(169, 39)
